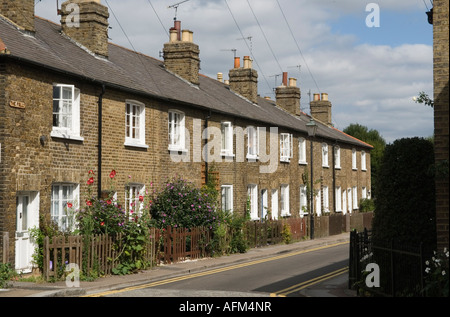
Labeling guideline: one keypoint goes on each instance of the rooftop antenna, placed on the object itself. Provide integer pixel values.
(250, 40)
(175, 6)
(276, 77)
(230, 50)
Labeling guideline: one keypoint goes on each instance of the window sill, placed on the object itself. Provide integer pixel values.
(177, 150)
(252, 158)
(136, 145)
(62, 135)
(285, 160)
(227, 155)
(303, 163)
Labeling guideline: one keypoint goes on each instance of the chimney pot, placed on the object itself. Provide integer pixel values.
(173, 35)
(292, 82)
(316, 97)
(177, 26)
(220, 77)
(237, 62)
(285, 79)
(325, 97)
(247, 62)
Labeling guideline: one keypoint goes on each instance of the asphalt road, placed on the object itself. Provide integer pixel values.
(282, 275)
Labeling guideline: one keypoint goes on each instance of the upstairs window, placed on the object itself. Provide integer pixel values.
(227, 139)
(363, 161)
(354, 167)
(253, 143)
(177, 136)
(337, 157)
(286, 147)
(135, 124)
(325, 155)
(66, 112)
(302, 151)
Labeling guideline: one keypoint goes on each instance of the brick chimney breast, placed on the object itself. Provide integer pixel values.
(321, 109)
(20, 12)
(244, 80)
(182, 55)
(90, 28)
(288, 96)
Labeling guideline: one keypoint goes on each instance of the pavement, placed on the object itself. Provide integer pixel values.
(334, 287)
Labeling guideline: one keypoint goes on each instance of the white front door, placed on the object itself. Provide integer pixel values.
(27, 217)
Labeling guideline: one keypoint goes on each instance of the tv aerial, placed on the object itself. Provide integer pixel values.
(230, 50)
(175, 6)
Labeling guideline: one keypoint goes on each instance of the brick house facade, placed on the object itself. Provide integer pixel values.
(441, 122)
(70, 104)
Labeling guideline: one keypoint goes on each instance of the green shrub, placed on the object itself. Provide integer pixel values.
(6, 274)
(405, 204)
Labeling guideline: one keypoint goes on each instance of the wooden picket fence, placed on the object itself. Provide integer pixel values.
(102, 253)
(179, 244)
(260, 234)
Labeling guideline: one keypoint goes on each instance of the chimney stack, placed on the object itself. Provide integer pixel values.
(321, 108)
(20, 12)
(86, 22)
(182, 55)
(244, 80)
(288, 95)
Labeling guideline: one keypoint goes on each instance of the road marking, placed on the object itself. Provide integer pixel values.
(311, 282)
(210, 272)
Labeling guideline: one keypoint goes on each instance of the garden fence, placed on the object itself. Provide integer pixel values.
(401, 266)
(260, 234)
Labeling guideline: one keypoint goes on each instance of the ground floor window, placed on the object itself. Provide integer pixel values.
(134, 199)
(65, 198)
(227, 198)
(253, 199)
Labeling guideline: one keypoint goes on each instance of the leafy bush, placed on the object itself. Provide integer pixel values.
(6, 274)
(405, 204)
(180, 204)
(436, 279)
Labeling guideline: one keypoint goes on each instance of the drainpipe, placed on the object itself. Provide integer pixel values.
(100, 135)
(207, 150)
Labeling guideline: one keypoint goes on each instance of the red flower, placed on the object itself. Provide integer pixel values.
(112, 174)
(102, 223)
(90, 181)
(69, 205)
(91, 172)
(141, 198)
(88, 202)
(109, 202)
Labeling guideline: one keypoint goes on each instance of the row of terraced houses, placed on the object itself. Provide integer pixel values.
(70, 101)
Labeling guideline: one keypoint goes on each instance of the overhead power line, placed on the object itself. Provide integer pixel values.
(298, 46)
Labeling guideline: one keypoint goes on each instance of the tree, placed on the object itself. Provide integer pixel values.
(373, 138)
(405, 205)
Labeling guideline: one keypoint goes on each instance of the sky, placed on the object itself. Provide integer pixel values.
(370, 57)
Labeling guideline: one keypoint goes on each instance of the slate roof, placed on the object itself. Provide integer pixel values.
(134, 72)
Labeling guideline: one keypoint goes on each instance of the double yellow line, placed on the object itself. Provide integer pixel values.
(210, 272)
(300, 286)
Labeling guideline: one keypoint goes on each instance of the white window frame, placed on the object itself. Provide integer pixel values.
(73, 127)
(363, 161)
(59, 211)
(337, 157)
(274, 204)
(227, 139)
(338, 197)
(354, 163)
(364, 193)
(252, 192)
(227, 198)
(325, 158)
(302, 151)
(132, 193)
(177, 131)
(135, 120)
(355, 197)
(252, 143)
(303, 200)
(344, 201)
(285, 204)
(286, 147)
(326, 200)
